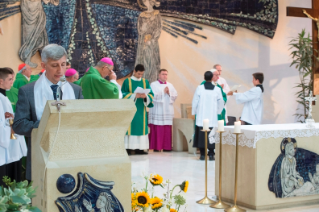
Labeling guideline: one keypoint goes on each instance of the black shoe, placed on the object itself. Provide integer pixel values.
(211, 157)
(141, 152)
(166, 150)
(129, 152)
(202, 157)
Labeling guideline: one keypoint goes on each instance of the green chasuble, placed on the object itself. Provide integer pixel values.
(223, 114)
(12, 95)
(20, 81)
(34, 78)
(94, 86)
(139, 125)
(78, 82)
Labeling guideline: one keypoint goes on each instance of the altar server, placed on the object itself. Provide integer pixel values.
(252, 100)
(71, 75)
(23, 76)
(33, 97)
(207, 104)
(216, 75)
(11, 150)
(137, 135)
(162, 114)
(96, 87)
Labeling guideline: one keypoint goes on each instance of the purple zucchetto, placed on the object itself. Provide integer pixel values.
(70, 72)
(107, 60)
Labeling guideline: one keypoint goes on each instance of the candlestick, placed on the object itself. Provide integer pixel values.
(206, 124)
(237, 127)
(221, 125)
(235, 208)
(220, 204)
(205, 200)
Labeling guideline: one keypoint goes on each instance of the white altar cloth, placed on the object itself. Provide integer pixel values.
(253, 133)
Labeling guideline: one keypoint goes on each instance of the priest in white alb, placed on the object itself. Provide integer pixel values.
(33, 97)
(207, 103)
(162, 114)
(11, 150)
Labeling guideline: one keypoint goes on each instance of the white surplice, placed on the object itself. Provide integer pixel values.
(10, 150)
(253, 108)
(207, 104)
(221, 81)
(43, 93)
(163, 111)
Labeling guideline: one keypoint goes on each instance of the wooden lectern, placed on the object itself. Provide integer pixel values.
(87, 136)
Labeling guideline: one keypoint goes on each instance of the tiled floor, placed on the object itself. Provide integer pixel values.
(180, 166)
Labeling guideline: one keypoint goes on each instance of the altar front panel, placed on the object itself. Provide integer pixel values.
(254, 168)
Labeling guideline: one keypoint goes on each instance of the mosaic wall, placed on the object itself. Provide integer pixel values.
(91, 29)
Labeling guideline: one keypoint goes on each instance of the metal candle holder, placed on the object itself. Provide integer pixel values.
(205, 200)
(235, 208)
(220, 204)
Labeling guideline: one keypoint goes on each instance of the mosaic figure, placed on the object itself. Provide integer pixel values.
(34, 35)
(149, 27)
(295, 171)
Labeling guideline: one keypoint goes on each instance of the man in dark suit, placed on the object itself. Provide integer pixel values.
(33, 96)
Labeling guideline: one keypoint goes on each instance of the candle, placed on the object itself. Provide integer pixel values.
(205, 124)
(237, 127)
(221, 125)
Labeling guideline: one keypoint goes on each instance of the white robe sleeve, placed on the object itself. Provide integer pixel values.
(195, 101)
(247, 96)
(226, 88)
(119, 87)
(172, 94)
(158, 92)
(220, 102)
(5, 130)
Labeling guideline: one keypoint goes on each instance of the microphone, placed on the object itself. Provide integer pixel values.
(63, 81)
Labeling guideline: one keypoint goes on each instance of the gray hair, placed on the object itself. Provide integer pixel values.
(215, 66)
(213, 70)
(52, 52)
(101, 64)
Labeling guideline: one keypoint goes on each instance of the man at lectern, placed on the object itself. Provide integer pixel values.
(32, 98)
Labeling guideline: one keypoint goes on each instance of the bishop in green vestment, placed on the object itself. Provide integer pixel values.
(23, 76)
(94, 86)
(137, 134)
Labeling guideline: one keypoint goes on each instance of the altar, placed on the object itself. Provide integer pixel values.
(277, 165)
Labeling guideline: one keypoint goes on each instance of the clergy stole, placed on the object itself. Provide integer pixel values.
(221, 116)
(10, 150)
(139, 125)
(20, 81)
(12, 95)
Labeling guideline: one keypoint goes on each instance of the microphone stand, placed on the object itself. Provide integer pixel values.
(57, 102)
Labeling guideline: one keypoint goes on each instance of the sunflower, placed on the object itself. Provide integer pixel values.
(184, 186)
(156, 203)
(142, 199)
(156, 179)
(172, 210)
